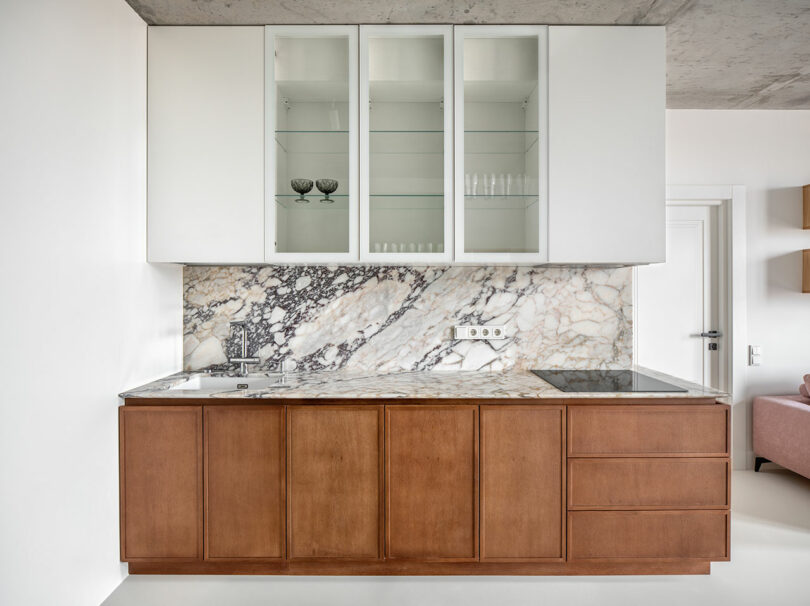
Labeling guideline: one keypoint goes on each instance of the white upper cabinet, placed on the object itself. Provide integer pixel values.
(607, 88)
(206, 144)
(513, 144)
(311, 188)
(406, 143)
(501, 140)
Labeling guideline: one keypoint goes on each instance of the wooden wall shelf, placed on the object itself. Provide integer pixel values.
(806, 270)
(806, 213)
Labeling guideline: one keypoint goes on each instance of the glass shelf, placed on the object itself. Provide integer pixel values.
(313, 132)
(409, 132)
(511, 132)
(289, 201)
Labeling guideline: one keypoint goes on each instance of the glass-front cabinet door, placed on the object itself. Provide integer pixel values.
(406, 160)
(501, 141)
(311, 174)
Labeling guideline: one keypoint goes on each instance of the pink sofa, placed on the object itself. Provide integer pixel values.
(782, 432)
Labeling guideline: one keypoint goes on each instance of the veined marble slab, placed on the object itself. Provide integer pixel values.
(400, 318)
(418, 384)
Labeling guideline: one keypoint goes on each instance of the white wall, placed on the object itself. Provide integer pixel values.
(769, 153)
(82, 316)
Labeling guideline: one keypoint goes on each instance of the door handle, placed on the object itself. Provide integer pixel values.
(711, 334)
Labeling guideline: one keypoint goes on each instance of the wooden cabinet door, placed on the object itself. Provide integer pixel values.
(244, 481)
(522, 482)
(335, 482)
(161, 482)
(431, 455)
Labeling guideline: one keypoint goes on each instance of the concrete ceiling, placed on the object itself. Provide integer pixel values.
(722, 54)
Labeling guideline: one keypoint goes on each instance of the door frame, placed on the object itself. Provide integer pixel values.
(731, 246)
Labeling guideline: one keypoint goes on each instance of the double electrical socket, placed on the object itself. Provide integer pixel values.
(479, 332)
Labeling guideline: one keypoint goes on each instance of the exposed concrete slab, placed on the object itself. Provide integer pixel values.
(721, 53)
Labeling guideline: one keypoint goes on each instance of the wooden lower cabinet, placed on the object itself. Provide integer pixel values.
(244, 482)
(428, 487)
(335, 482)
(161, 479)
(522, 481)
(431, 460)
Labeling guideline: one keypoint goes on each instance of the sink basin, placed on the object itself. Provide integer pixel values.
(222, 383)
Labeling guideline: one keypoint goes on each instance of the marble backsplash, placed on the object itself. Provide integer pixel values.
(393, 318)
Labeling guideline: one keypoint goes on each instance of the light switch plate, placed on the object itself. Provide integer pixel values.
(754, 355)
(491, 333)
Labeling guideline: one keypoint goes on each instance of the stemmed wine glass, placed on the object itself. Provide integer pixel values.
(301, 187)
(326, 187)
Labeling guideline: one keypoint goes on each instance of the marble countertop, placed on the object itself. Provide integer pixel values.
(408, 385)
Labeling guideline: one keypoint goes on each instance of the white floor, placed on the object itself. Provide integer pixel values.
(770, 567)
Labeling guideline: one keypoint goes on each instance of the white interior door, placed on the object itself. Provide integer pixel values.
(678, 300)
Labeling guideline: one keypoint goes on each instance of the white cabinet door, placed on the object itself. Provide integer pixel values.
(311, 179)
(206, 144)
(607, 98)
(501, 144)
(406, 143)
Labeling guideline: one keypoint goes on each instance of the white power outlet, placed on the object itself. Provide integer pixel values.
(754, 355)
(479, 332)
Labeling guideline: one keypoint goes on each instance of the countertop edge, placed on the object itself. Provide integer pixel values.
(516, 386)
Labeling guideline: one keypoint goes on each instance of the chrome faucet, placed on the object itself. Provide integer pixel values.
(244, 360)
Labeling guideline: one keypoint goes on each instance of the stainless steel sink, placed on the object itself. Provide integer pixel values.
(205, 382)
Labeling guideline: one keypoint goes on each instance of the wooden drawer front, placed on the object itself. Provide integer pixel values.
(647, 534)
(670, 483)
(648, 430)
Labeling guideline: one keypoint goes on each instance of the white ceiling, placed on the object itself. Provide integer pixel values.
(722, 54)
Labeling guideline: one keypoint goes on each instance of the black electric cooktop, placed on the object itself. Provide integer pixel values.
(604, 381)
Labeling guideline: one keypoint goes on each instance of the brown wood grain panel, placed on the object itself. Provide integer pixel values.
(641, 483)
(806, 207)
(431, 455)
(161, 482)
(648, 534)
(244, 482)
(522, 479)
(335, 482)
(806, 270)
(647, 430)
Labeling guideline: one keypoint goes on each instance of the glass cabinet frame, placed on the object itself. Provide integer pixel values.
(382, 252)
(462, 33)
(272, 255)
